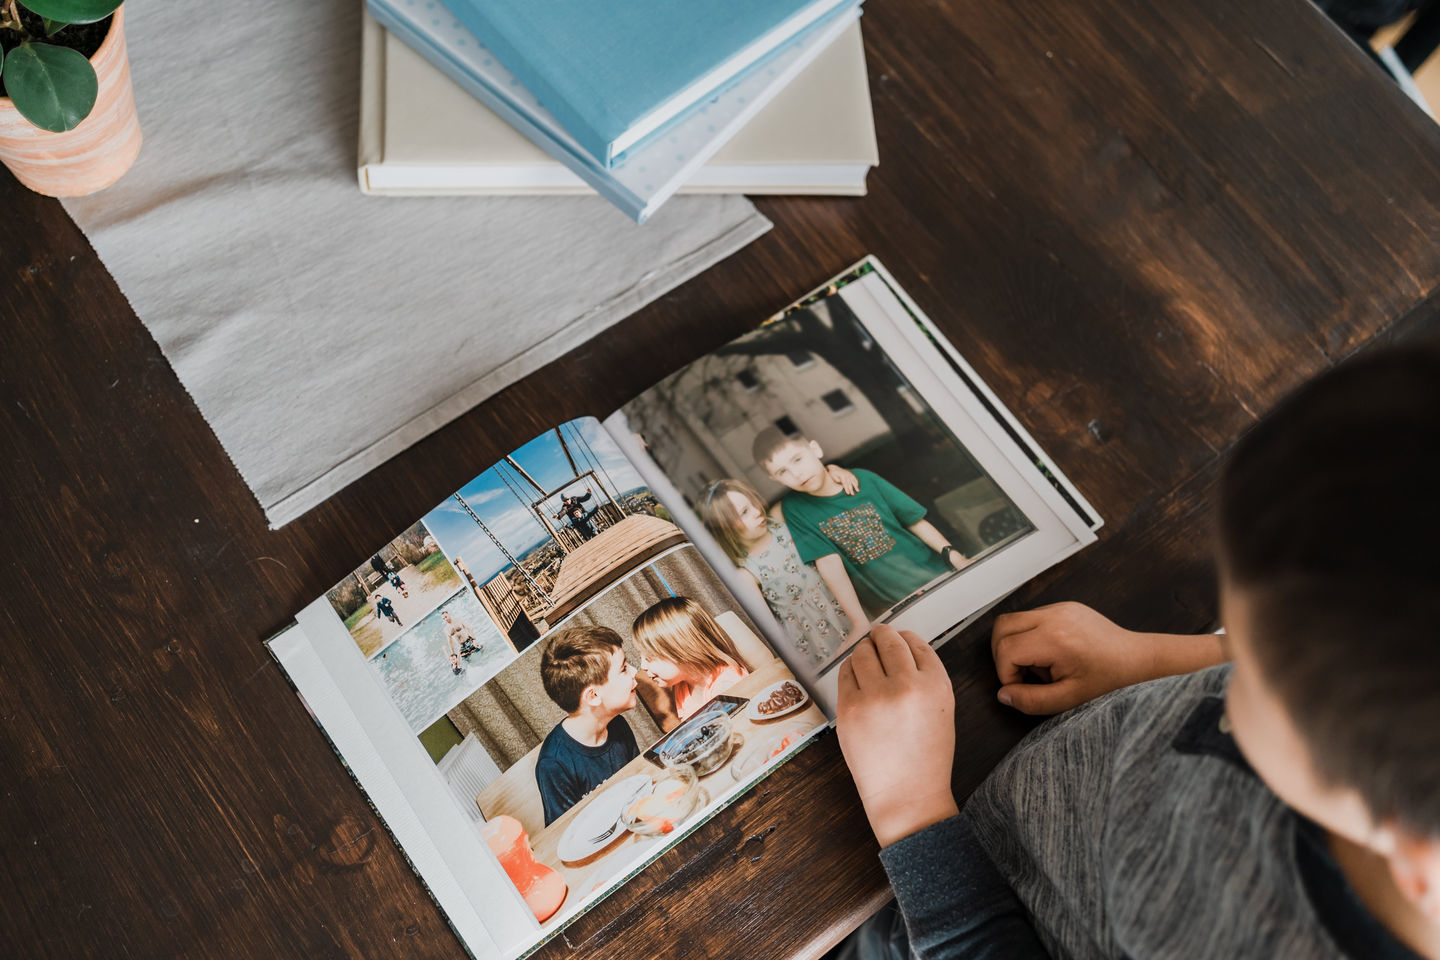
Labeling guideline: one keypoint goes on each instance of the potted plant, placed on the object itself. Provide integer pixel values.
(67, 115)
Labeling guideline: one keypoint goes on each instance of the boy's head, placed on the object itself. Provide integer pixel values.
(584, 669)
(1329, 529)
(790, 458)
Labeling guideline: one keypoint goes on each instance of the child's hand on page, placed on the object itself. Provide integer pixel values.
(1078, 653)
(849, 483)
(896, 722)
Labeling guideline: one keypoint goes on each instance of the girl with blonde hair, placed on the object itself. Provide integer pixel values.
(759, 543)
(685, 651)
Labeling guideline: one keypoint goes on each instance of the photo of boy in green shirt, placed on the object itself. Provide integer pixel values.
(873, 548)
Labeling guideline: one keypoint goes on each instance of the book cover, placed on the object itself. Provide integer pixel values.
(431, 136)
(615, 73)
(650, 175)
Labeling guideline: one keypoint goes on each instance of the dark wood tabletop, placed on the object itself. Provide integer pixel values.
(1142, 223)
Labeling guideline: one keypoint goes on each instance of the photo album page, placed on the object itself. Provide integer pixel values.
(606, 636)
(842, 466)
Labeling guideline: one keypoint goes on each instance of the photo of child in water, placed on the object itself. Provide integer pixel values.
(440, 658)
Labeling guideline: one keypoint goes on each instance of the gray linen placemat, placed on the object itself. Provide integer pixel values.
(321, 331)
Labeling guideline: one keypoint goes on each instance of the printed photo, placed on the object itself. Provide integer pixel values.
(403, 581)
(831, 485)
(550, 526)
(440, 658)
(619, 726)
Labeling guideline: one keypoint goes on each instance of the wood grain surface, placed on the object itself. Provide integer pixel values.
(1142, 223)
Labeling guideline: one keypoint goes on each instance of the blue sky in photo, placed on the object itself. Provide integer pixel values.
(510, 518)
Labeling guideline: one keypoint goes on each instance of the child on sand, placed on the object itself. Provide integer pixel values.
(874, 547)
(686, 652)
(762, 546)
(1284, 804)
(585, 672)
(385, 607)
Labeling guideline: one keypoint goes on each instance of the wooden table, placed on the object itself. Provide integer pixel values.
(1142, 223)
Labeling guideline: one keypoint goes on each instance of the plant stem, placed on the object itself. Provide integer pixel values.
(11, 17)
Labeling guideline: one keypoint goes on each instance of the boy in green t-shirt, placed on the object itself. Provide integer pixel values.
(873, 548)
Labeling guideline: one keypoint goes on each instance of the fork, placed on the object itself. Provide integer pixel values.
(605, 833)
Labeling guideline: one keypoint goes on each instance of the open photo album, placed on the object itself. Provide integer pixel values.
(606, 636)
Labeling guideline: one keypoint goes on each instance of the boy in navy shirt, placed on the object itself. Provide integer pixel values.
(585, 672)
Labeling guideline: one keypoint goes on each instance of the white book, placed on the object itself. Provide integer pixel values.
(423, 134)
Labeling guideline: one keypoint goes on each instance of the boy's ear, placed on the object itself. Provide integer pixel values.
(815, 449)
(1415, 868)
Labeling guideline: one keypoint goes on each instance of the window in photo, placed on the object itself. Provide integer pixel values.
(787, 426)
(748, 380)
(838, 402)
(800, 359)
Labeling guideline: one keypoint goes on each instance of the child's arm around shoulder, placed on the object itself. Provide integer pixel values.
(1081, 655)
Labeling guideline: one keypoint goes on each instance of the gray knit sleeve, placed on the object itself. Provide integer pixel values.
(955, 903)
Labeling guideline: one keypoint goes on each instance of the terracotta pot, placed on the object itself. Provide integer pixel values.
(98, 151)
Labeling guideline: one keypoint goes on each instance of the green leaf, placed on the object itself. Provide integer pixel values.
(53, 27)
(52, 87)
(72, 11)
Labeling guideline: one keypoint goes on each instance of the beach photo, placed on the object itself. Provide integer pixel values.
(398, 585)
(552, 524)
(836, 491)
(621, 726)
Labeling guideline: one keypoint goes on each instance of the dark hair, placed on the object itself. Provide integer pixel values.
(771, 441)
(1329, 521)
(576, 658)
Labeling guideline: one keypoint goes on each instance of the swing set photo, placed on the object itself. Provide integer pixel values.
(549, 526)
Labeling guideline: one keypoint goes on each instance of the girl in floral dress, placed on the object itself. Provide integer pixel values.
(760, 545)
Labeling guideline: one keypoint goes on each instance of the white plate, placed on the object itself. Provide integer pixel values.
(752, 710)
(600, 818)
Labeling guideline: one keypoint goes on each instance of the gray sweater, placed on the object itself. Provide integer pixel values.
(1131, 827)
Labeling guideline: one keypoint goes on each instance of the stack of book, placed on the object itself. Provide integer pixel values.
(636, 100)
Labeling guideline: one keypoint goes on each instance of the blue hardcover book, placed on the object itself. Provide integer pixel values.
(651, 172)
(615, 72)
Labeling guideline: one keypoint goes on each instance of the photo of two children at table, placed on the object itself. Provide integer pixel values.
(824, 476)
(602, 688)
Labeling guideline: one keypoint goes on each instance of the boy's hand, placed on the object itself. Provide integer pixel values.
(896, 722)
(1079, 653)
(849, 483)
